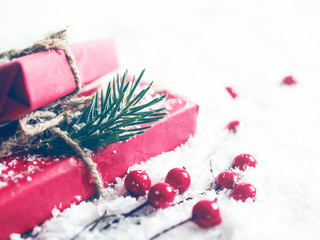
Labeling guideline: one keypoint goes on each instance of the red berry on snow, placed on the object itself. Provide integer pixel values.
(243, 161)
(231, 92)
(289, 80)
(161, 195)
(179, 179)
(232, 126)
(243, 191)
(206, 214)
(137, 183)
(227, 180)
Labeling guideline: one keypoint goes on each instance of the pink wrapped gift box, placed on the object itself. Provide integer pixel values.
(30, 187)
(32, 81)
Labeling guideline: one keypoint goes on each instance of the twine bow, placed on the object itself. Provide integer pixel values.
(56, 113)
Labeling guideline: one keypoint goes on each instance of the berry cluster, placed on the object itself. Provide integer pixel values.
(231, 181)
(161, 195)
(205, 213)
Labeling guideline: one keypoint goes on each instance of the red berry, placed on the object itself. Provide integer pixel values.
(161, 195)
(243, 191)
(206, 214)
(137, 183)
(227, 180)
(243, 161)
(232, 126)
(289, 80)
(179, 179)
(231, 92)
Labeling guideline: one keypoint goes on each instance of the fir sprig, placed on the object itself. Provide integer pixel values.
(113, 115)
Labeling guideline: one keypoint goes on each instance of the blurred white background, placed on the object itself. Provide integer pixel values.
(184, 42)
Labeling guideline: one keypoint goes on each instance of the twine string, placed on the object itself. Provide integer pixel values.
(56, 41)
(92, 166)
(56, 113)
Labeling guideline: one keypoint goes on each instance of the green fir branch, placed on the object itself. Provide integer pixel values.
(113, 115)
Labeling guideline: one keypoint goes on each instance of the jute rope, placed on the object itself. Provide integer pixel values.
(57, 112)
(55, 41)
(85, 157)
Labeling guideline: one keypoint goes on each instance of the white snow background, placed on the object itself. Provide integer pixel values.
(197, 48)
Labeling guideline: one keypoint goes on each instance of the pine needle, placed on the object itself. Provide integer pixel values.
(112, 116)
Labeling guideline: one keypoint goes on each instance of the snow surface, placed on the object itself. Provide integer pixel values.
(197, 48)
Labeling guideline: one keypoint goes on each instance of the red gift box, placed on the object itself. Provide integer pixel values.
(31, 187)
(32, 81)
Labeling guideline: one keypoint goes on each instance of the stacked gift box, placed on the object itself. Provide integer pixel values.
(32, 185)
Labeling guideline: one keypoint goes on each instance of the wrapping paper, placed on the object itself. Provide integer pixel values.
(32, 81)
(30, 187)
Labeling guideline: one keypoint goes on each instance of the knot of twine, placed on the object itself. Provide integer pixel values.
(50, 119)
